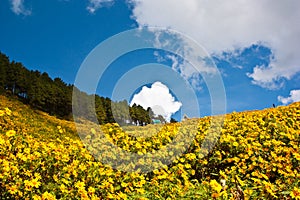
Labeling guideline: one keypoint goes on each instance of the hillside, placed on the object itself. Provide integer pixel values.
(34, 122)
(42, 157)
(56, 97)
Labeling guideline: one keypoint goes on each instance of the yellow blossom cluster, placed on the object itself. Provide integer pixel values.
(42, 157)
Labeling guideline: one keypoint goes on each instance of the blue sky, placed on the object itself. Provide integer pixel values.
(253, 44)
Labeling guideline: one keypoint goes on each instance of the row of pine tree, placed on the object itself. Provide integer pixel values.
(54, 96)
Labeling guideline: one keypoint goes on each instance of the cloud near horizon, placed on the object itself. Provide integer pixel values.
(159, 99)
(294, 97)
(224, 26)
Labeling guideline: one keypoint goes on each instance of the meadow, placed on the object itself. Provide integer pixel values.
(257, 154)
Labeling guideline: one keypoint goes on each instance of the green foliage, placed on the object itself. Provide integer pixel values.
(173, 120)
(55, 97)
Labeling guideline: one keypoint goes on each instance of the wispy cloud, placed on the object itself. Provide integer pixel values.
(222, 26)
(294, 97)
(19, 8)
(270, 77)
(94, 5)
(188, 58)
(187, 71)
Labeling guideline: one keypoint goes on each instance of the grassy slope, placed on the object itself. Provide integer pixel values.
(257, 147)
(34, 122)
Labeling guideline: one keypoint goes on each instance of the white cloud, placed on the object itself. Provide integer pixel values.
(294, 97)
(270, 77)
(18, 7)
(96, 4)
(159, 98)
(228, 25)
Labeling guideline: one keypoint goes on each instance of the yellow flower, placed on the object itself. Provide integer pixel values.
(138, 145)
(37, 176)
(10, 133)
(191, 156)
(187, 166)
(240, 181)
(223, 175)
(8, 112)
(27, 184)
(82, 167)
(35, 183)
(74, 172)
(123, 184)
(91, 190)
(2, 141)
(36, 197)
(122, 195)
(297, 156)
(83, 194)
(79, 184)
(215, 186)
(235, 144)
(55, 178)
(63, 188)
(140, 190)
(295, 193)
(48, 196)
(95, 197)
(1, 113)
(269, 188)
(13, 189)
(110, 196)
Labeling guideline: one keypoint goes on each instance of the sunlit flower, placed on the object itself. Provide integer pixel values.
(36, 197)
(10, 133)
(8, 111)
(295, 193)
(35, 183)
(63, 188)
(48, 196)
(2, 113)
(215, 186)
(79, 184)
(13, 189)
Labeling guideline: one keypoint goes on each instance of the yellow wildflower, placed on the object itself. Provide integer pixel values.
(91, 190)
(63, 188)
(48, 196)
(35, 183)
(215, 186)
(79, 184)
(13, 189)
(295, 193)
(235, 144)
(187, 166)
(36, 197)
(1, 113)
(8, 111)
(10, 133)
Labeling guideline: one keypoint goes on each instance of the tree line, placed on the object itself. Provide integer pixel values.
(54, 96)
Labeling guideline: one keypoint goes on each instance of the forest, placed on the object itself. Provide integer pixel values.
(54, 96)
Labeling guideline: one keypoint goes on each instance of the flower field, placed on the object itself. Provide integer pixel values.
(257, 154)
